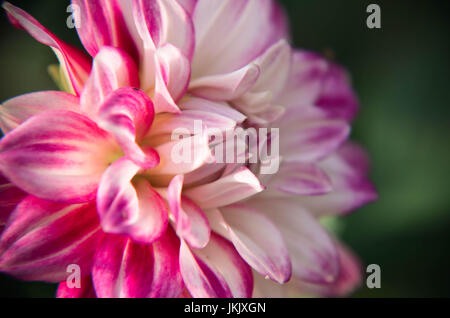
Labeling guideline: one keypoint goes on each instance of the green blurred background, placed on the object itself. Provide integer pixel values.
(401, 73)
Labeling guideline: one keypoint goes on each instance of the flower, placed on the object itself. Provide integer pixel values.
(89, 175)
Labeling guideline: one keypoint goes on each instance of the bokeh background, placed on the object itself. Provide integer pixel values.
(401, 73)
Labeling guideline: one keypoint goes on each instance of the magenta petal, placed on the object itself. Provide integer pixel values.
(43, 238)
(76, 65)
(257, 240)
(190, 221)
(10, 196)
(215, 271)
(112, 69)
(101, 23)
(126, 269)
(56, 155)
(86, 289)
(128, 114)
(15, 111)
(133, 209)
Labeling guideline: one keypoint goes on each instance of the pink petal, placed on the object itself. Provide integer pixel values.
(101, 23)
(130, 208)
(215, 271)
(225, 86)
(75, 64)
(172, 77)
(128, 114)
(351, 185)
(126, 269)
(298, 178)
(227, 190)
(190, 221)
(43, 238)
(112, 69)
(257, 240)
(10, 196)
(310, 138)
(15, 111)
(160, 22)
(86, 291)
(57, 155)
(248, 27)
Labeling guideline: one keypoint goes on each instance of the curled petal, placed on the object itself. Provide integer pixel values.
(128, 114)
(57, 155)
(229, 189)
(76, 66)
(124, 269)
(130, 208)
(86, 289)
(112, 69)
(257, 240)
(215, 271)
(219, 108)
(190, 221)
(101, 23)
(42, 239)
(15, 111)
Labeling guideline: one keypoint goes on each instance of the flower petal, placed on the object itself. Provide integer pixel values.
(215, 271)
(130, 208)
(43, 238)
(190, 221)
(57, 155)
(17, 110)
(112, 69)
(126, 269)
(86, 289)
(313, 254)
(248, 27)
(219, 108)
(226, 86)
(10, 196)
(256, 239)
(101, 23)
(75, 64)
(128, 114)
(232, 188)
(299, 178)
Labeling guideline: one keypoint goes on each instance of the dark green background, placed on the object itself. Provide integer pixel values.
(401, 74)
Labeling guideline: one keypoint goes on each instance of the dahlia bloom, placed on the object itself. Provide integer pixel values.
(88, 175)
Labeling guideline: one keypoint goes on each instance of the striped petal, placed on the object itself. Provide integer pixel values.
(57, 155)
(112, 69)
(76, 66)
(190, 221)
(124, 269)
(43, 238)
(134, 209)
(101, 23)
(128, 114)
(216, 271)
(86, 289)
(10, 196)
(15, 111)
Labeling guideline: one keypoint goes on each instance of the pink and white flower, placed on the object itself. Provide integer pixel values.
(87, 175)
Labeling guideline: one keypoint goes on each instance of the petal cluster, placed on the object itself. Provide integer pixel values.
(89, 176)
